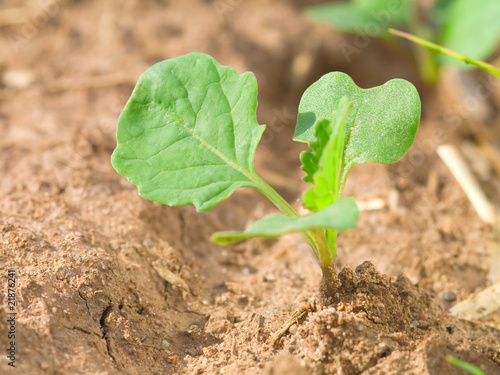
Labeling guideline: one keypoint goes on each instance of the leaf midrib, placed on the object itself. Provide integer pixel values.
(180, 123)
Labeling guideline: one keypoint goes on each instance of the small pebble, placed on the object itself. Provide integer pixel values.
(292, 329)
(449, 296)
(422, 324)
(18, 79)
(270, 277)
(165, 344)
(340, 319)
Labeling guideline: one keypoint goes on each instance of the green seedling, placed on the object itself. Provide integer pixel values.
(464, 365)
(467, 26)
(189, 132)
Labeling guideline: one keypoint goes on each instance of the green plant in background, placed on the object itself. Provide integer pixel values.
(467, 26)
(189, 132)
(464, 365)
(364, 16)
(452, 54)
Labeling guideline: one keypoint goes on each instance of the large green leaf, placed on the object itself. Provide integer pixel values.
(189, 131)
(341, 215)
(471, 28)
(324, 164)
(371, 17)
(381, 125)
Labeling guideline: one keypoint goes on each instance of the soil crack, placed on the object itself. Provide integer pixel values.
(83, 330)
(368, 316)
(105, 329)
(85, 300)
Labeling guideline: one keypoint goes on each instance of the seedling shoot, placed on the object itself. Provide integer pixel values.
(188, 135)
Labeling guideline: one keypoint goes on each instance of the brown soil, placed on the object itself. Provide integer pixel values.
(108, 283)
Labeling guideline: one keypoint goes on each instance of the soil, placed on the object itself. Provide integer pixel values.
(109, 283)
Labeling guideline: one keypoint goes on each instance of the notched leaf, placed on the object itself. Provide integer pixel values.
(381, 125)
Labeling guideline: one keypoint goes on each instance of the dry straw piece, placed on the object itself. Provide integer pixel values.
(458, 167)
(488, 300)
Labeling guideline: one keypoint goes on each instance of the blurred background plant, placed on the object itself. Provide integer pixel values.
(469, 27)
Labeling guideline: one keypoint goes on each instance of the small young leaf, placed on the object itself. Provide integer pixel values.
(341, 215)
(189, 131)
(380, 127)
(324, 163)
(323, 129)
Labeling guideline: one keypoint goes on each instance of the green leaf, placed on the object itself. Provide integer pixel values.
(189, 132)
(370, 17)
(341, 215)
(324, 164)
(471, 28)
(323, 129)
(344, 17)
(380, 127)
(466, 366)
(440, 9)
